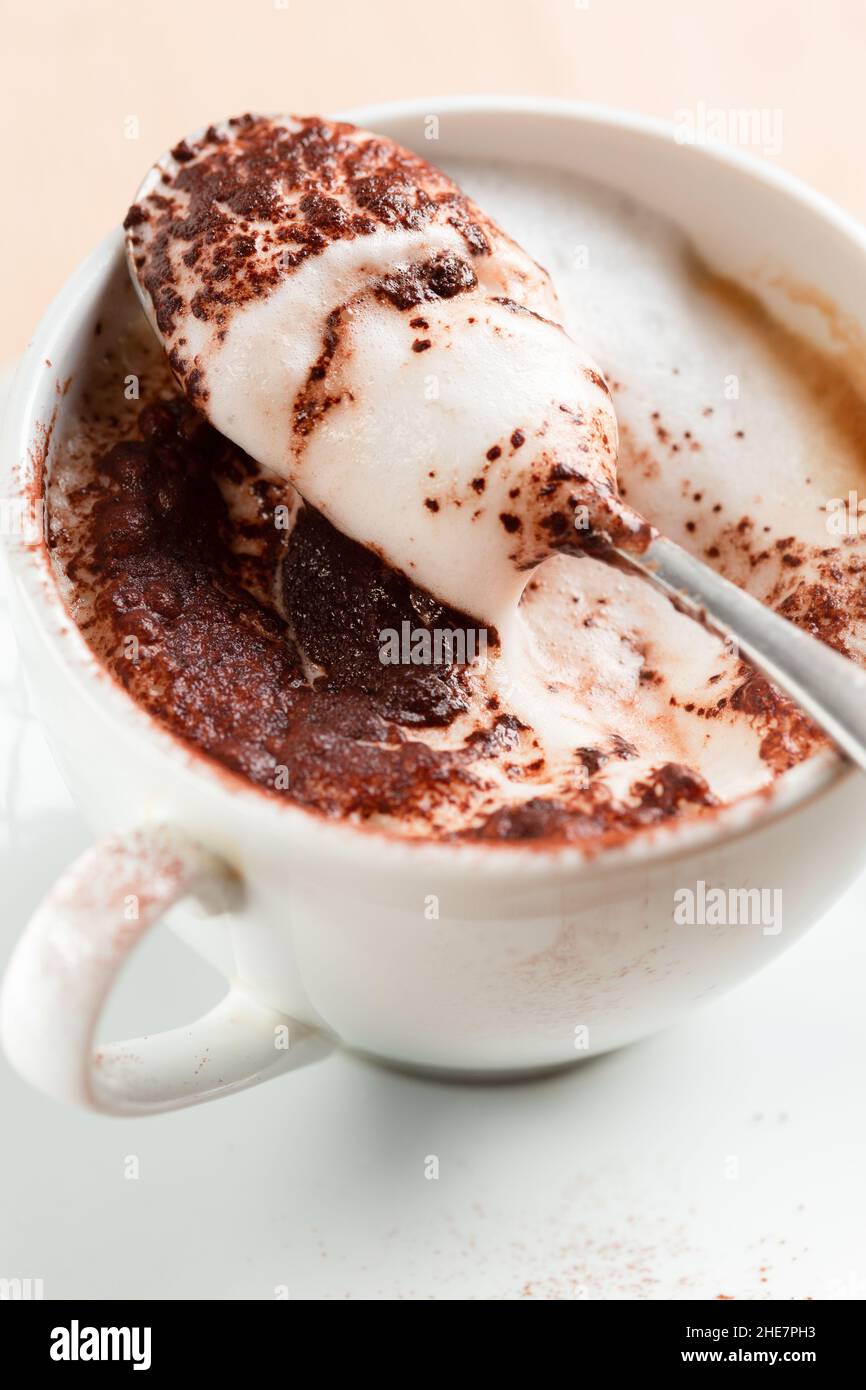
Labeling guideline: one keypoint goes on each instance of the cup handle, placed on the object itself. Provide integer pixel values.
(64, 966)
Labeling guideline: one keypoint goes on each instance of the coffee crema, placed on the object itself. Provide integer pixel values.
(242, 620)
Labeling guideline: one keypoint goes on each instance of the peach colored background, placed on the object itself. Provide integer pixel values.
(73, 71)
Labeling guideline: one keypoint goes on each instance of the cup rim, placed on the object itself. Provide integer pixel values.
(25, 438)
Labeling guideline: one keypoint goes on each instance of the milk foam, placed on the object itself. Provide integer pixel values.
(442, 435)
(723, 420)
(732, 438)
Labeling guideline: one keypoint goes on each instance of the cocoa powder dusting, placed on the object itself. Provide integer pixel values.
(262, 647)
(285, 180)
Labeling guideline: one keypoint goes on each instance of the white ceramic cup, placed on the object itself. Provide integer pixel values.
(474, 959)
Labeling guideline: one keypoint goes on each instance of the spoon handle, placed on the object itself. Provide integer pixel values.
(828, 686)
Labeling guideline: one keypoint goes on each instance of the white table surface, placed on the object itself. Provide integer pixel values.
(726, 1156)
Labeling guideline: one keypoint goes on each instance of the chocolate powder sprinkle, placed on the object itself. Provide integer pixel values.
(286, 180)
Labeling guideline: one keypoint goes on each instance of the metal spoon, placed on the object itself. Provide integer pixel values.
(828, 686)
